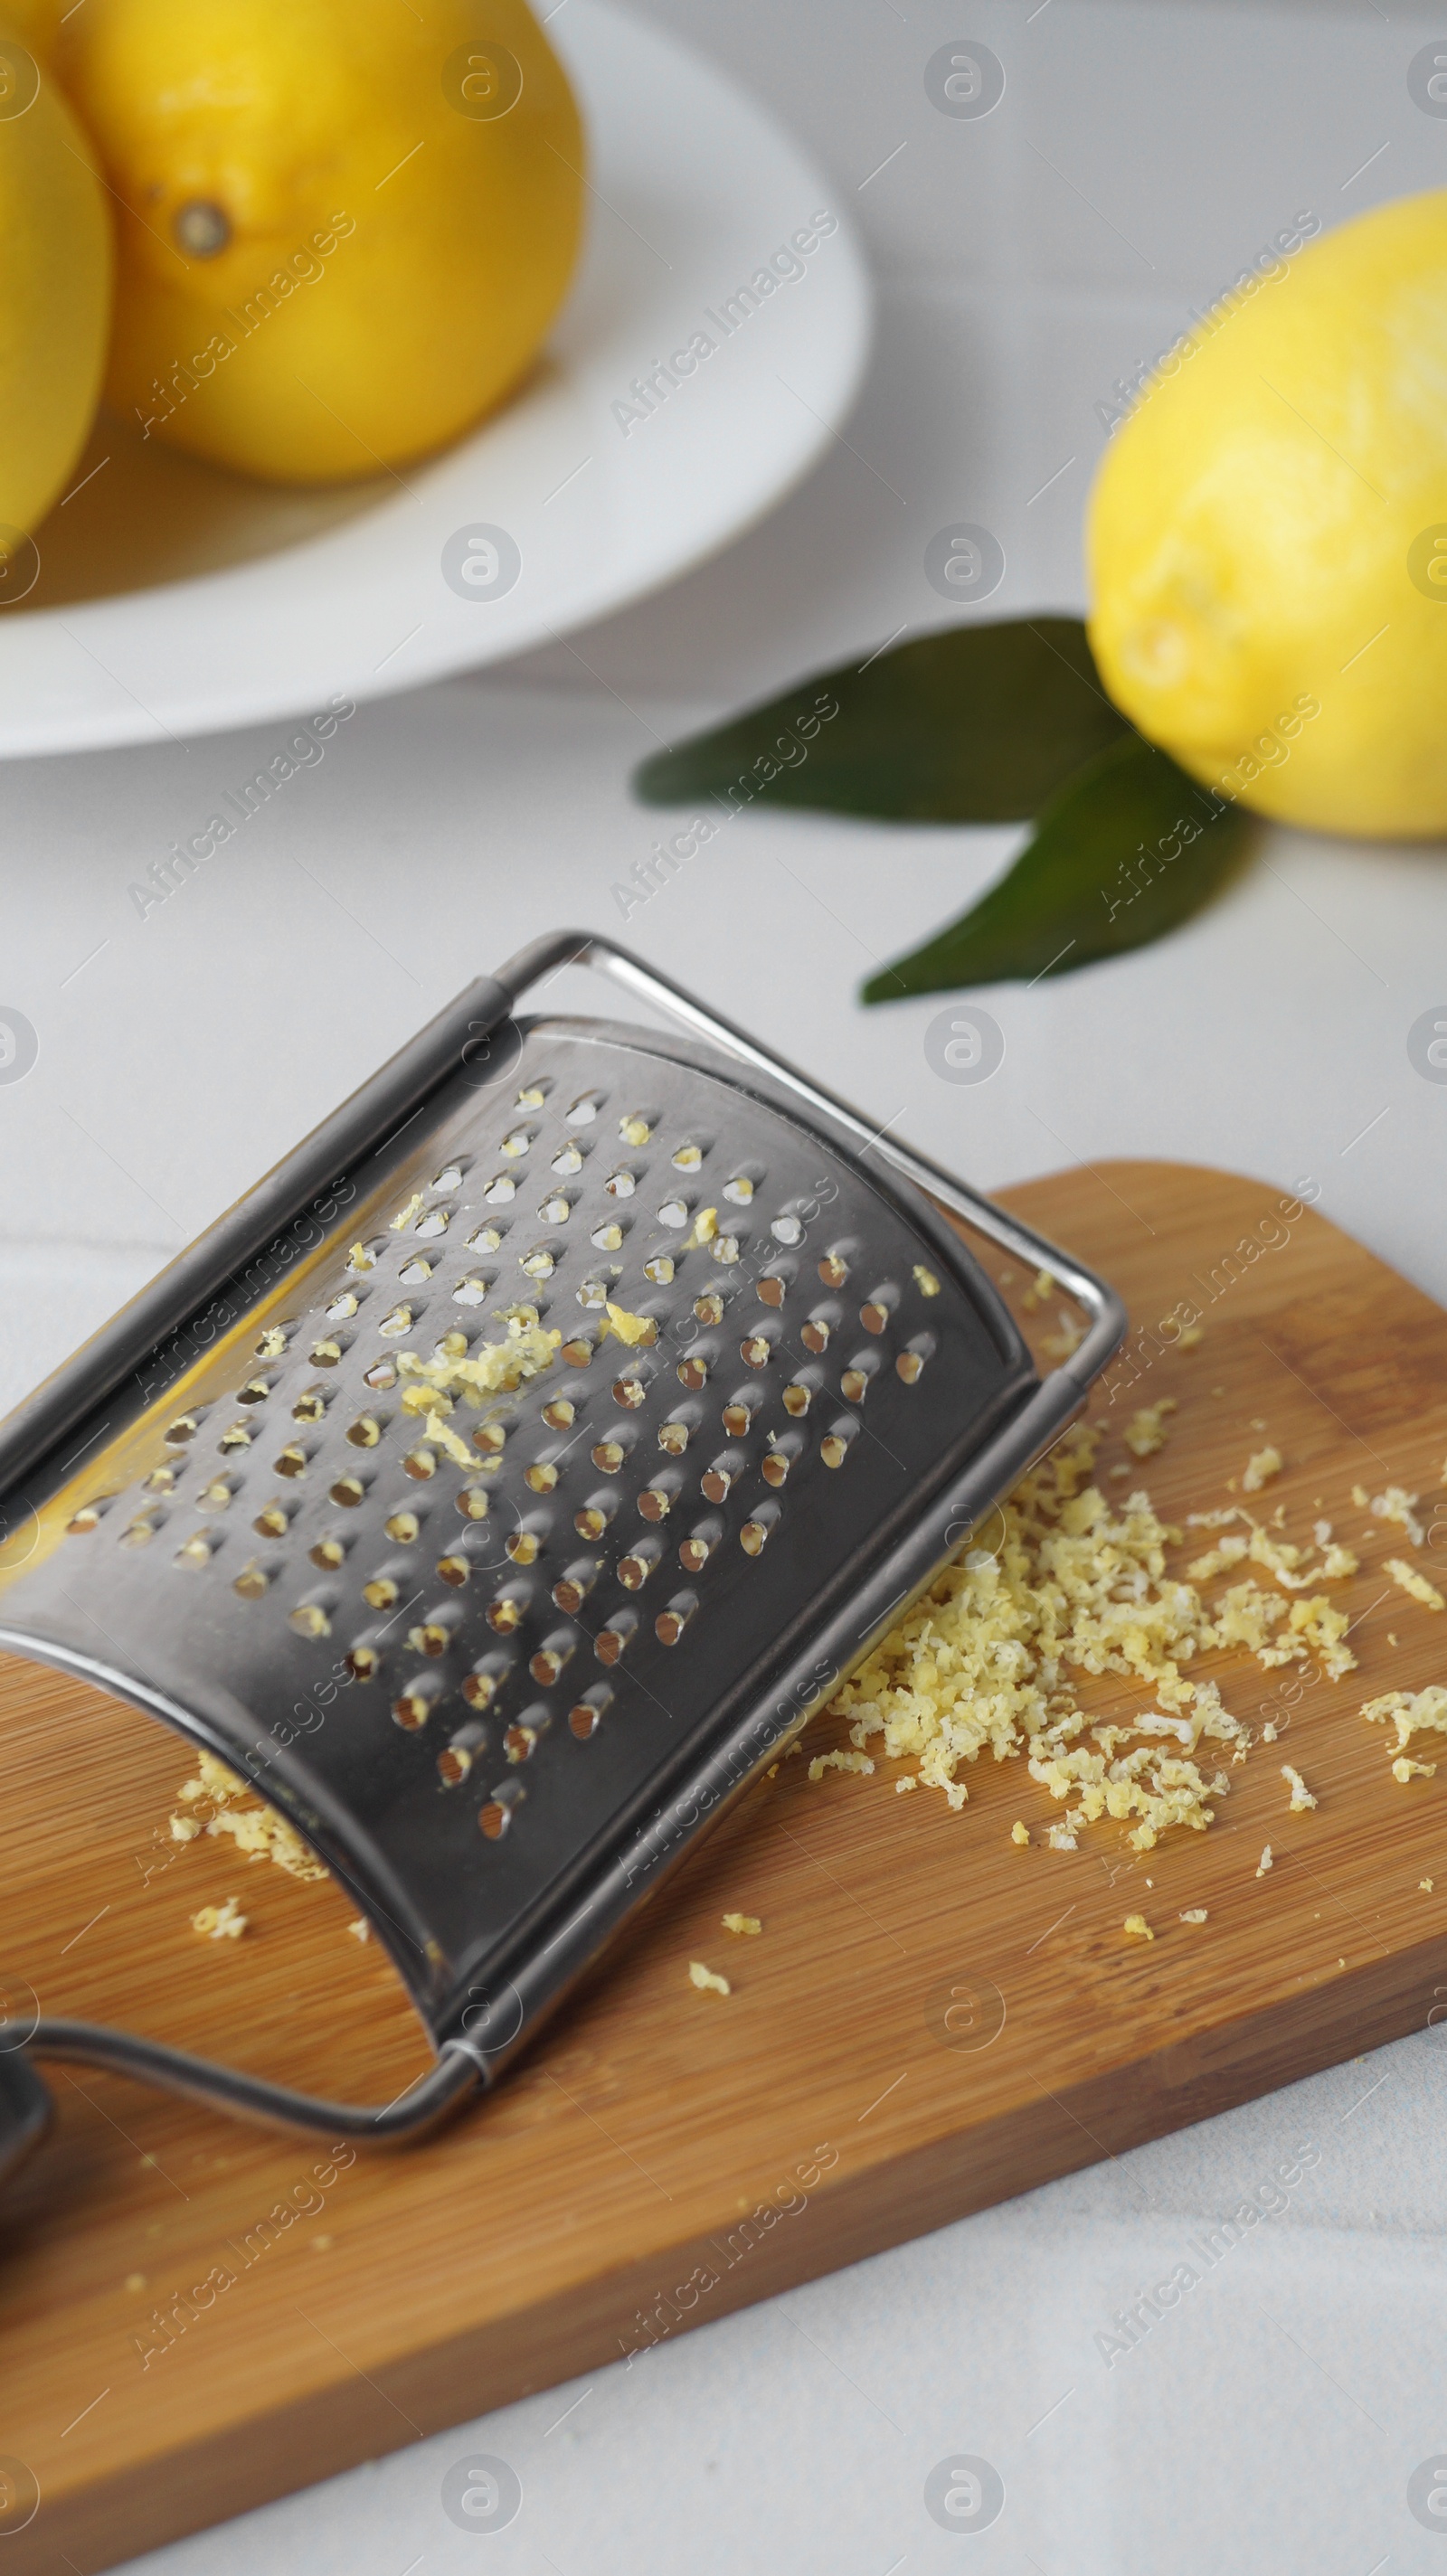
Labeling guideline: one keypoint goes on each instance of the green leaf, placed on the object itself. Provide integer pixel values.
(976, 724)
(1124, 852)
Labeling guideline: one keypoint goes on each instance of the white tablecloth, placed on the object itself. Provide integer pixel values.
(1273, 2417)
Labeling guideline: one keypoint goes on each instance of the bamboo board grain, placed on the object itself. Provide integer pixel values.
(618, 2186)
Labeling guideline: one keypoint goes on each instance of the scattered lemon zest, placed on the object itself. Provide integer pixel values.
(705, 1980)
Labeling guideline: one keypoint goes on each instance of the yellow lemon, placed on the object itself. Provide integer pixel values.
(346, 226)
(1268, 536)
(55, 294)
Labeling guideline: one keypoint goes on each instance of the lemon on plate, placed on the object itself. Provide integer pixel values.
(1268, 537)
(55, 297)
(345, 229)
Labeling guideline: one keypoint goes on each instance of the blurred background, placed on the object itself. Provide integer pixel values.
(1026, 265)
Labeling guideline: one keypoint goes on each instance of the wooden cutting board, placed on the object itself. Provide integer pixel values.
(196, 2316)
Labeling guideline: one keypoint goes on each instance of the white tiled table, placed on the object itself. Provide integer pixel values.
(1141, 154)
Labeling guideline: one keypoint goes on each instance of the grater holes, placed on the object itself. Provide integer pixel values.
(816, 1332)
(252, 1581)
(486, 1238)
(718, 1481)
(727, 1248)
(693, 1371)
(555, 1652)
(800, 1393)
(675, 1434)
(779, 1458)
(670, 1623)
(363, 1662)
(506, 1612)
(414, 1705)
(709, 1308)
(365, 1432)
(515, 1144)
(480, 1687)
(456, 1759)
(272, 1345)
(490, 1439)
(329, 1351)
(739, 1412)
(310, 1406)
(420, 1463)
(525, 1544)
(630, 1391)
(568, 1160)
(759, 1528)
(539, 1262)
(578, 1352)
(837, 1442)
(311, 1619)
(449, 1178)
(272, 1521)
(560, 1413)
(541, 1477)
(574, 1585)
(787, 1230)
(557, 1209)
(610, 1456)
(365, 1256)
(198, 1550)
(403, 1528)
(533, 1095)
(877, 1309)
(855, 1383)
(292, 1461)
(608, 1236)
(346, 1303)
(636, 1126)
(635, 1568)
(161, 1480)
(184, 1428)
(382, 1592)
(215, 1497)
(520, 1740)
(588, 1713)
(657, 1500)
(347, 1492)
(591, 1522)
(593, 1295)
(911, 1363)
(659, 1270)
(834, 1269)
(454, 1570)
(739, 1189)
(757, 1349)
(434, 1223)
(399, 1321)
(433, 1635)
(415, 1271)
(586, 1108)
(237, 1435)
(699, 1545)
(381, 1377)
(496, 1817)
(774, 1286)
(88, 1518)
(473, 1290)
(622, 1183)
(612, 1643)
(330, 1553)
(674, 1214)
(255, 1391)
(688, 1157)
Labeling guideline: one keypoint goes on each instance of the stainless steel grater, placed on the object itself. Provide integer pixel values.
(506, 1480)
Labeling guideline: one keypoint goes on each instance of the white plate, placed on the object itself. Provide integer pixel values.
(295, 597)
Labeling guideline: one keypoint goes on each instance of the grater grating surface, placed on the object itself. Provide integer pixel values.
(503, 1652)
